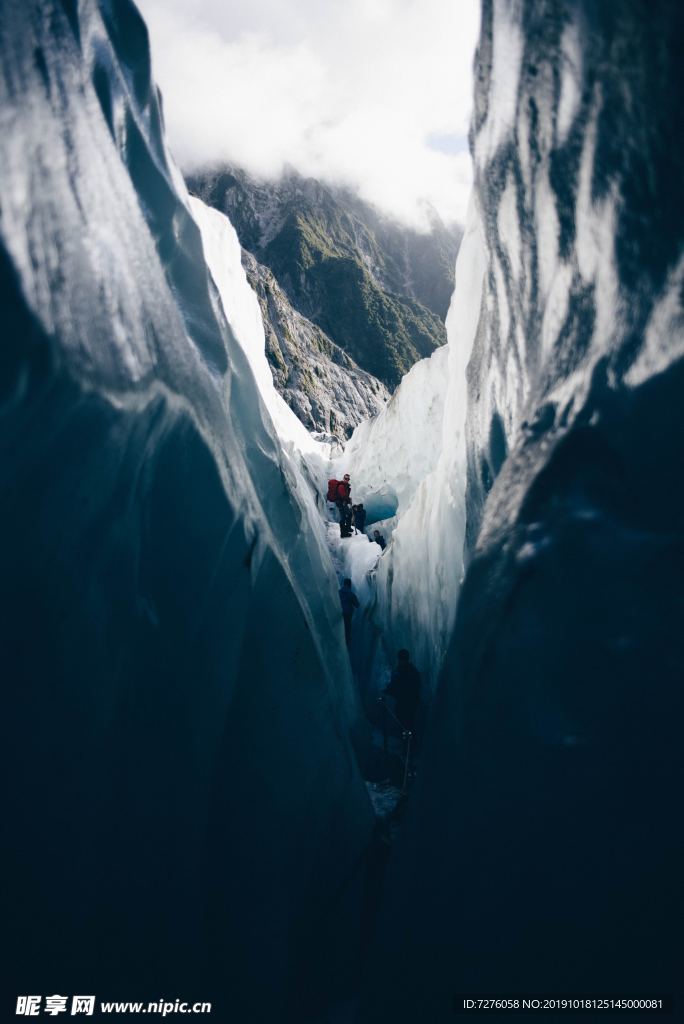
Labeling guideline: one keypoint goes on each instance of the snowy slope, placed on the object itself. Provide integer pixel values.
(391, 453)
(178, 700)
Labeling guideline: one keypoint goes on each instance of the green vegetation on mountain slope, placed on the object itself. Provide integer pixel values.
(378, 289)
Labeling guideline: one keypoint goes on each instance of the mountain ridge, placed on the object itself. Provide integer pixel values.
(323, 386)
(377, 289)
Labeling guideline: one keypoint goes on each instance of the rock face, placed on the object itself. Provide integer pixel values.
(185, 811)
(380, 291)
(324, 387)
(544, 848)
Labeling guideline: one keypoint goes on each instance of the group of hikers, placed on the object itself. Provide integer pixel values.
(352, 517)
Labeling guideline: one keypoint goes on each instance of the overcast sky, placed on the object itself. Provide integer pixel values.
(371, 93)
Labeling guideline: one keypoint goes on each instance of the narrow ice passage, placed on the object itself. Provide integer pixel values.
(191, 746)
(311, 461)
(382, 747)
(403, 470)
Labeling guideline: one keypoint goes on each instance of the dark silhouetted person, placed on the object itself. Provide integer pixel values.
(405, 688)
(346, 516)
(349, 602)
(379, 539)
(359, 517)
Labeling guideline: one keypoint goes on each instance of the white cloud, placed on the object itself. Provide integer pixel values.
(371, 93)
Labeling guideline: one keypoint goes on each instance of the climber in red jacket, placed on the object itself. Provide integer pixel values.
(343, 491)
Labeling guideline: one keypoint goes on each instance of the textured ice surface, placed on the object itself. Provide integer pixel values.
(185, 807)
(390, 454)
(241, 307)
(410, 462)
(544, 847)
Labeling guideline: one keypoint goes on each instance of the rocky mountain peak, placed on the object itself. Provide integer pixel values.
(378, 290)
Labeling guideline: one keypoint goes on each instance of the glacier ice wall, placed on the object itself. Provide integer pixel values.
(544, 847)
(186, 815)
(410, 462)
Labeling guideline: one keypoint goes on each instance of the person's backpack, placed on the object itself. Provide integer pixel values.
(332, 490)
(343, 490)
